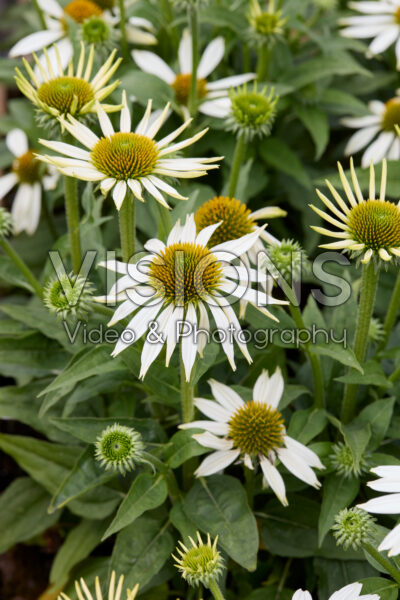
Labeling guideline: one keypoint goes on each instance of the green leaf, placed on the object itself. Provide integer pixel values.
(385, 588)
(377, 416)
(307, 424)
(338, 63)
(181, 447)
(357, 437)
(10, 275)
(276, 153)
(146, 492)
(218, 506)
(317, 124)
(373, 375)
(141, 550)
(78, 544)
(337, 493)
(181, 522)
(86, 474)
(144, 86)
(23, 512)
(32, 355)
(344, 355)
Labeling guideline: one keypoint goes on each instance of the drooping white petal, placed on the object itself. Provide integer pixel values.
(360, 139)
(391, 542)
(7, 182)
(226, 396)
(383, 505)
(34, 211)
(185, 53)
(211, 57)
(305, 453)
(188, 342)
(209, 440)
(298, 467)
(378, 149)
(35, 41)
(119, 193)
(213, 410)
(217, 461)
(301, 595)
(274, 479)
(228, 82)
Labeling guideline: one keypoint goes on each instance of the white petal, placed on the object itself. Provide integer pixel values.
(152, 347)
(212, 426)
(384, 39)
(213, 410)
(7, 182)
(188, 342)
(188, 231)
(105, 122)
(269, 389)
(274, 479)
(17, 142)
(185, 53)
(226, 396)
(361, 122)
(305, 453)
(360, 139)
(378, 149)
(298, 467)
(152, 63)
(301, 595)
(217, 461)
(219, 108)
(391, 542)
(138, 325)
(205, 234)
(211, 58)
(209, 440)
(119, 193)
(226, 342)
(34, 212)
(383, 505)
(228, 82)
(51, 7)
(35, 41)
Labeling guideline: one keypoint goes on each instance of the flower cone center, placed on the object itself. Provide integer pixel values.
(234, 214)
(95, 30)
(267, 23)
(181, 87)
(184, 273)
(397, 16)
(251, 109)
(201, 560)
(66, 94)
(117, 446)
(125, 155)
(391, 116)
(375, 224)
(27, 168)
(256, 428)
(80, 10)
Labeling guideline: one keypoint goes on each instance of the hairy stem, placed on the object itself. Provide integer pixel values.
(369, 282)
(263, 62)
(236, 165)
(194, 31)
(73, 224)
(127, 227)
(391, 315)
(122, 27)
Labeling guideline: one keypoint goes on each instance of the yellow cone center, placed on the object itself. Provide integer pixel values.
(181, 87)
(234, 214)
(66, 94)
(376, 224)
(256, 428)
(27, 168)
(125, 155)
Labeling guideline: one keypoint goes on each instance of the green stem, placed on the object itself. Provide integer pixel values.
(40, 14)
(165, 223)
(391, 315)
(72, 214)
(25, 270)
(384, 562)
(49, 219)
(194, 31)
(214, 589)
(236, 164)
(187, 393)
(263, 62)
(127, 227)
(318, 377)
(369, 282)
(122, 27)
(101, 309)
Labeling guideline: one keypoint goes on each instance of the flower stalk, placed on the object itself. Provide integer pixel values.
(22, 266)
(187, 393)
(369, 282)
(384, 562)
(40, 14)
(72, 214)
(194, 31)
(122, 26)
(263, 62)
(215, 590)
(236, 164)
(391, 315)
(127, 227)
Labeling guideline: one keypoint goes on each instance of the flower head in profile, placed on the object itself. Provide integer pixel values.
(29, 176)
(388, 503)
(252, 111)
(376, 132)
(173, 290)
(368, 228)
(344, 462)
(114, 590)
(200, 563)
(94, 19)
(287, 259)
(119, 448)
(128, 160)
(6, 224)
(213, 96)
(266, 25)
(348, 592)
(380, 20)
(72, 92)
(254, 432)
(68, 296)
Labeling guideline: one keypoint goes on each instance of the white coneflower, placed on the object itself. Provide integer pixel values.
(381, 124)
(253, 431)
(27, 174)
(114, 591)
(389, 503)
(369, 228)
(379, 19)
(128, 160)
(212, 95)
(174, 289)
(348, 592)
(81, 11)
(73, 91)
